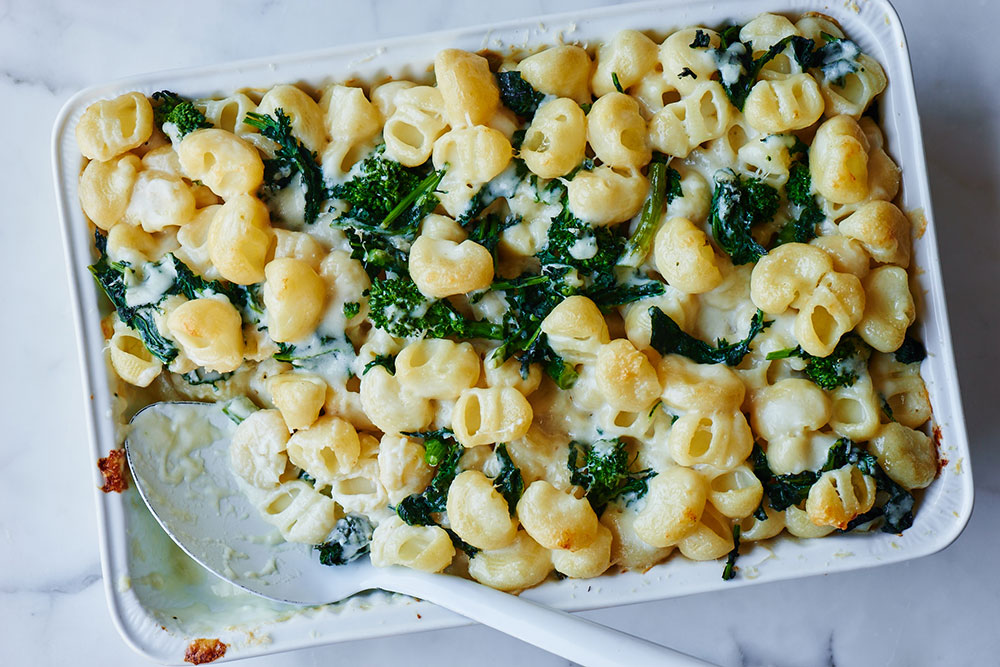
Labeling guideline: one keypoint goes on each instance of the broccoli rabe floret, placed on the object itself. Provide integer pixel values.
(798, 190)
(170, 108)
(397, 306)
(387, 197)
(603, 470)
(737, 205)
(839, 369)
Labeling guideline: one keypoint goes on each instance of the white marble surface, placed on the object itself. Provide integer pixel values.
(942, 609)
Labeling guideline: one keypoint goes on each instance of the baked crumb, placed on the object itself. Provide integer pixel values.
(201, 651)
(112, 467)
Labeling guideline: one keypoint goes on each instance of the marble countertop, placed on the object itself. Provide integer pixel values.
(942, 609)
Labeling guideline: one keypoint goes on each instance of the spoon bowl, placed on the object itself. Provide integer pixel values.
(178, 453)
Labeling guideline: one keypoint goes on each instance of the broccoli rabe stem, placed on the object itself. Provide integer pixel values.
(638, 246)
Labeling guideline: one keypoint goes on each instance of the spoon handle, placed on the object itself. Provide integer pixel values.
(572, 637)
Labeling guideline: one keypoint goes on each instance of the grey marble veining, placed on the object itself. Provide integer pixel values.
(942, 609)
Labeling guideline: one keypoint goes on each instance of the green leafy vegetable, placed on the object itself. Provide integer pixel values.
(664, 187)
(444, 451)
(387, 198)
(170, 108)
(386, 361)
(397, 306)
(350, 539)
(667, 337)
(304, 354)
(292, 157)
(115, 280)
(616, 82)
(912, 351)
(701, 40)
(729, 571)
(602, 469)
(517, 94)
(784, 491)
(508, 481)
(839, 369)
(239, 408)
(798, 189)
(201, 376)
(687, 71)
(737, 205)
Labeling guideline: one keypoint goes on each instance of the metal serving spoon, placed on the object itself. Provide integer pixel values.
(179, 456)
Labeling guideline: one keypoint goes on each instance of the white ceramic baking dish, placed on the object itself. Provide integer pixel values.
(160, 601)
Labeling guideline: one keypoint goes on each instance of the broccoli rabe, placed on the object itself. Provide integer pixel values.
(912, 351)
(666, 337)
(508, 480)
(729, 571)
(798, 190)
(839, 369)
(170, 108)
(664, 186)
(603, 470)
(387, 198)
(737, 205)
(172, 277)
(307, 354)
(349, 540)
(397, 306)
(377, 252)
(201, 376)
(386, 361)
(895, 503)
(739, 69)
(442, 451)
(111, 277)
(292, 157)
(517, 94)
(582, 259)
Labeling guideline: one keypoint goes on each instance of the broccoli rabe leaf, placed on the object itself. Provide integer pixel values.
(517, 94)
(377, 252)
(894, 503)
(737, 205)
(540, 352)
(701, 40)
(664, 186)
(729, 571)
(443, 452)
(397, 306)
(912, 351)
(839, 369)
(170, 108)
(798, 190)
(349, 540)
(351, 309)
(667, 337)
(386, 361)
(111, 277)
(603, 470)
(292, 157)
(201, 376)
(114, 279)
(305, 353)
(508, 480)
